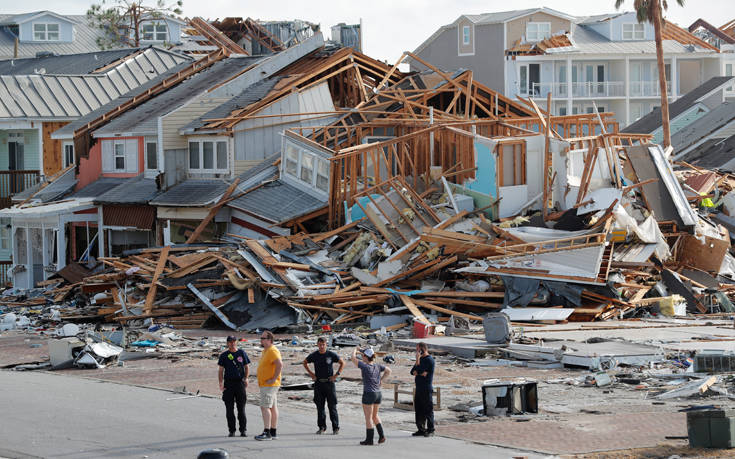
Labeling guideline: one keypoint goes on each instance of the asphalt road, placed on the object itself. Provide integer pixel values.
(57, 416)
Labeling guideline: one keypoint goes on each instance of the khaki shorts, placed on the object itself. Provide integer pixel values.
(268, 397)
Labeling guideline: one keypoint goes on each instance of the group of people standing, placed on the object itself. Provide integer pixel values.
(233, 381)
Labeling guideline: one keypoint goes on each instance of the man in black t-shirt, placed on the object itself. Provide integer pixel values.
(324, 387)
(233, 379)
(423, 371)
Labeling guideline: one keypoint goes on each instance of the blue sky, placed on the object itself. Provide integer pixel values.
(391, 26)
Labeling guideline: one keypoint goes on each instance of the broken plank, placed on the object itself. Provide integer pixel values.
(154, 282)
(408, 302)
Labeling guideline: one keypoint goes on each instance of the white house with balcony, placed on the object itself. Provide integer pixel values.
(607, 60)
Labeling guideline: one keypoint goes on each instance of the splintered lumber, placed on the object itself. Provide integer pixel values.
(195, 266)
(212, 307)
(222, 201)
(427, 305)
(408, 302)
(154, 282)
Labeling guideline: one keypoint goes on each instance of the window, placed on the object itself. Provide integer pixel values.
(119, 156)
(46, 32)
(154, 32)
(466, 35)
(322, 175)
(68, 154)
(633, 31)
(208, 156)
(512, 163)
(5, 233)
(292, 159)
(562, 111)
(524, 79)
(307, 168)
(729, 72)
(151, 155)
(537, 31)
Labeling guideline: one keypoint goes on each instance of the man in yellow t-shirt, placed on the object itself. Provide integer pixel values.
(269, 380)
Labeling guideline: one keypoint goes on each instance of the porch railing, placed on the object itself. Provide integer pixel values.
(581, 89)
(647, 88)
(12, 182)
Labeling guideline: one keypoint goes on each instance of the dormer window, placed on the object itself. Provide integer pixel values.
(157, 31)
(633, 31)
(466, 35)
(45, 32)
(537, 31)
(308, 168)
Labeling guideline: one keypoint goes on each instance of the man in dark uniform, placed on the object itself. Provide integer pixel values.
(233, 379)
(324, 387)
(423, 371)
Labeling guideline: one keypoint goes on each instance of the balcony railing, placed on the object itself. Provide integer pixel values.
(581, 89)
(12, 182)
(647, 88)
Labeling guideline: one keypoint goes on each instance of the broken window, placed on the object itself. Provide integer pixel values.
(512, 164)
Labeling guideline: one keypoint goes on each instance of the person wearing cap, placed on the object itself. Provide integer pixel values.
(324, 387)
(233, 379)
(372, 375)
(269, 380)
(423, 372)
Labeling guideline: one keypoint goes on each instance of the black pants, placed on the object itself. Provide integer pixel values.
(424, 407)
(234, 394)
(326, 391)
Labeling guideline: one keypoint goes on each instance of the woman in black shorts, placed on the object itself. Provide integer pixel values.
(372, 374)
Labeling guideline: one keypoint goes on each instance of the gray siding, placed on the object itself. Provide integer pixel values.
(65, 29)
(486, 64)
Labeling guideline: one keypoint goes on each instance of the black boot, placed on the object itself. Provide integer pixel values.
(369, 434)
(381, 437)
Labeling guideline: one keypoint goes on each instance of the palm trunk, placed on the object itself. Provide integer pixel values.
(657, 20)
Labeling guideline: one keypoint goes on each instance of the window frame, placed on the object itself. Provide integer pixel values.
(633, 33)
(466, 35)
(46, 32)
(731, 73)
(538, 36)
(214, 141)
(318, 165)
(116, 156)
(147, 152)
(153, 34)
(65, 147)
(518, 148)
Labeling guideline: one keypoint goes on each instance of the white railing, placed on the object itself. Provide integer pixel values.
(581, 89)
(647, 88)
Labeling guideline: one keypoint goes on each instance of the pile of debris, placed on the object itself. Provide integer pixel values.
(420, 251)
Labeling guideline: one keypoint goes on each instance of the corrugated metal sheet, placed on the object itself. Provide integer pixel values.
(141, 217)
(277, 202)
(71, 96)
(144, 118)
(192, 193)
(70, 64)
(633, 253)
(703, 127)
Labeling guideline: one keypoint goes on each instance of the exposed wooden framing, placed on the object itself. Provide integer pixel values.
(162, 258)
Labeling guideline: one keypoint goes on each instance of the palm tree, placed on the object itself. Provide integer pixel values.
(652, 11)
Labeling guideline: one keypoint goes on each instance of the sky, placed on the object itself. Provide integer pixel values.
(391, 26)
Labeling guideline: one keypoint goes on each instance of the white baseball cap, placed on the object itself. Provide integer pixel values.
(368, 352)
